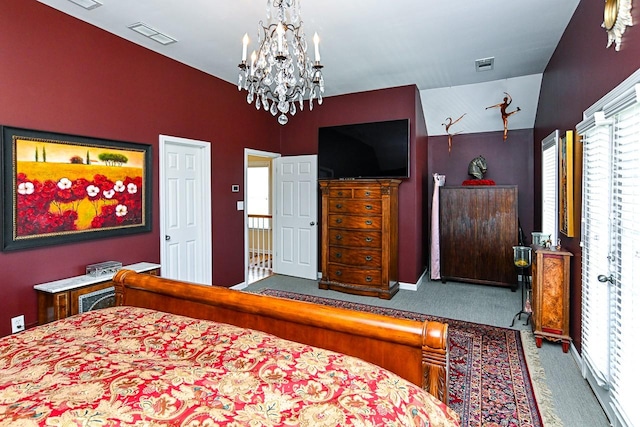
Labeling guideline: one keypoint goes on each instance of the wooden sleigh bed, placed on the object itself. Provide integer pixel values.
(281, 341)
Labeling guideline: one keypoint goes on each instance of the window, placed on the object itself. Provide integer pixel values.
(260, 236)
(550, 185)
(258, 190)
(611, 250)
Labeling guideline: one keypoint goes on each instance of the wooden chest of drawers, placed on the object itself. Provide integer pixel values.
(360, 236)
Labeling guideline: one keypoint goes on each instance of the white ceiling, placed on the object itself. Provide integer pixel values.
(366, 44)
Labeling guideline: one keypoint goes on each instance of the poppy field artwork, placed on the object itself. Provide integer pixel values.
(61, 188)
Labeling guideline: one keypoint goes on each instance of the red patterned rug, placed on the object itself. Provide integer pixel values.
(490, 385)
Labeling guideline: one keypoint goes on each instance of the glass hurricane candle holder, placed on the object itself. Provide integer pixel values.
(522, 256)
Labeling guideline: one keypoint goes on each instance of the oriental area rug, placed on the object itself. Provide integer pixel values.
(491, 381)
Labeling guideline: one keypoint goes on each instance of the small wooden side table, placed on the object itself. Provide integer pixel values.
(550, 270)
(60, 298)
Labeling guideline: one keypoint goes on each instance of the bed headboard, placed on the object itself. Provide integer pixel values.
(414, 350)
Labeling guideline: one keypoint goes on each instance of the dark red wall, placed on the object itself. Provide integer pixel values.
(59, 74)
(422, 184)
(63, 75)
(300, 136)
(581, 71)
(509, 162)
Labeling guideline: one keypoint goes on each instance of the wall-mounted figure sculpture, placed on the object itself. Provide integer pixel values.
(503, 111)
(447, 124)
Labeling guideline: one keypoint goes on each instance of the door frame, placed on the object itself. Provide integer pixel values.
(205, 178)
(252, 152)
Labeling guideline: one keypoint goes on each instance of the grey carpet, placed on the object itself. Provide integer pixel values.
(574, 402)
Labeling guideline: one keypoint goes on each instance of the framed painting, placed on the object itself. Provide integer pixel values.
(565, 202)
(61, 188)
(578, 149)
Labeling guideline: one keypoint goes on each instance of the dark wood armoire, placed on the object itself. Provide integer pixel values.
(478, 229)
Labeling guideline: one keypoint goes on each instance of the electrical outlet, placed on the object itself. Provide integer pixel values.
(17, 324)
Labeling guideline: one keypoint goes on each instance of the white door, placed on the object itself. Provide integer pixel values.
(296, 213)
(185, 209)
(611, 251)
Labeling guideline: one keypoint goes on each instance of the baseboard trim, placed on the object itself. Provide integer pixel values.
(240, 286)
(414, 286)
(403, 285)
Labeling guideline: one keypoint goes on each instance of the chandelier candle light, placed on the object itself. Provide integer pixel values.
(280, 73)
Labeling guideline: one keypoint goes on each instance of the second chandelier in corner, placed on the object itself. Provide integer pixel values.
(280, 74)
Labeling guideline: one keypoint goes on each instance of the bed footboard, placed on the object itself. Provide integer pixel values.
(414, 350)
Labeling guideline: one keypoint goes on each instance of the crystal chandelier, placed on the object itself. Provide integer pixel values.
(280, 74)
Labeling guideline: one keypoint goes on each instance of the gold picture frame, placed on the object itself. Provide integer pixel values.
(566, 170)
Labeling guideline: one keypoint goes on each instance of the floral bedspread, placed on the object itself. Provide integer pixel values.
(138, 367)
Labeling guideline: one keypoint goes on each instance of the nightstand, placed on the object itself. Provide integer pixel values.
(550, 295)
(66, 297)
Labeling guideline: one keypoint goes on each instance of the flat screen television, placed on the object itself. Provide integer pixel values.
(364, 150)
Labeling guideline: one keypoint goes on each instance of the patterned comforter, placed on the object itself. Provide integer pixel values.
(138, 367)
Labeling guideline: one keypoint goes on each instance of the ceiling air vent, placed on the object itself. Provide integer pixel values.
(87, 4)
(153, 34)
(485, 64)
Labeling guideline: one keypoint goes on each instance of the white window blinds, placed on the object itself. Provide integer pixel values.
(595, 251)
(550, 185)
(626, 256)
(611, 250)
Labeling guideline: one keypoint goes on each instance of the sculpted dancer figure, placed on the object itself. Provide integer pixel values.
(448, 123)
(503, 110)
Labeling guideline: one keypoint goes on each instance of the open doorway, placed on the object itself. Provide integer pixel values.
(287, 237)
(258, 214)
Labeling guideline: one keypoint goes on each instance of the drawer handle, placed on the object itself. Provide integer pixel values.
(368, 258)
(368, 279)
(368, 207)
(368, 239)
(367, 193)
(339, 221)
(338, 236)
(339, 206)
(338, 273)
(339, 255)
(339, 193)
(368, 222)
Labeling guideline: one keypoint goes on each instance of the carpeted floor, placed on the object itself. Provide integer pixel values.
(490, 384)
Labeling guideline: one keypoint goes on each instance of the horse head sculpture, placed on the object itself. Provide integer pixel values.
(477, 167)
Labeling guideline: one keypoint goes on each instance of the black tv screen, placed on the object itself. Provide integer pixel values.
(364, 150)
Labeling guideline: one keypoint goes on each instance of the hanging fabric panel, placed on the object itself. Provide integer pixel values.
(438, 181)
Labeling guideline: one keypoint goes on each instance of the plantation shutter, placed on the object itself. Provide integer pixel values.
(595, 249)
(611, 249)
(626, 253)
(550, 185)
